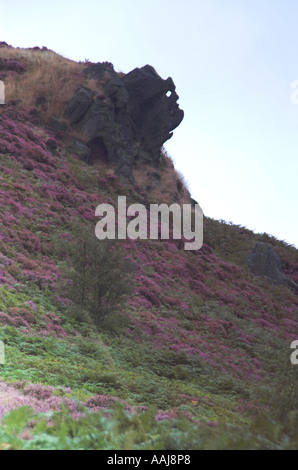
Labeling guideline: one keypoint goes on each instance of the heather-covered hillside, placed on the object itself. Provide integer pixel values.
(196, 354)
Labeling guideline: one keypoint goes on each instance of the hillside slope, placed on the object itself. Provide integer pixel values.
(200, 346)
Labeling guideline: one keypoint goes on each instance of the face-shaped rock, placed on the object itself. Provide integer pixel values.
(137, 111)
(153, 108)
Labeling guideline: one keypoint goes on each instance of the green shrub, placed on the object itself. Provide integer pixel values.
(95, 274)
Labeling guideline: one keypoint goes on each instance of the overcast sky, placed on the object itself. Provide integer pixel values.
(233, 62)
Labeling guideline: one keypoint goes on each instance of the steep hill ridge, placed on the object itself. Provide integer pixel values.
(200, 337)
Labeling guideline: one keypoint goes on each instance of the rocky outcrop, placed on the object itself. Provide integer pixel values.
(128, 119)
(4, 44)
(153, 109)
(264, 260)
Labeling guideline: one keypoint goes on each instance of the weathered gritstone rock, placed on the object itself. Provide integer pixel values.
(58, 127)
(154, 114)
(81, 150)
(78, 105)
(264, 260)
(129, 119)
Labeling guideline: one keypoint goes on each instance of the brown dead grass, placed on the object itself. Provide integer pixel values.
(171, 187)
(49, 82)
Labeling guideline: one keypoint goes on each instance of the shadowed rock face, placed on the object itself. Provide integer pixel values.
(154, 114)
(264, 260)
(130, 117)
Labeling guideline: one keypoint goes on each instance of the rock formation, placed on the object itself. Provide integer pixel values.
(128, 119)
(264, 260)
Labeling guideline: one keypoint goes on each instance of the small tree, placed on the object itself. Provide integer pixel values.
(96, 275)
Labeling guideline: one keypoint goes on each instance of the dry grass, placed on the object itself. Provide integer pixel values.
(168, 189)
(49, 82)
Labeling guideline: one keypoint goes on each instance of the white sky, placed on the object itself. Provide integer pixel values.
(232, 61)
